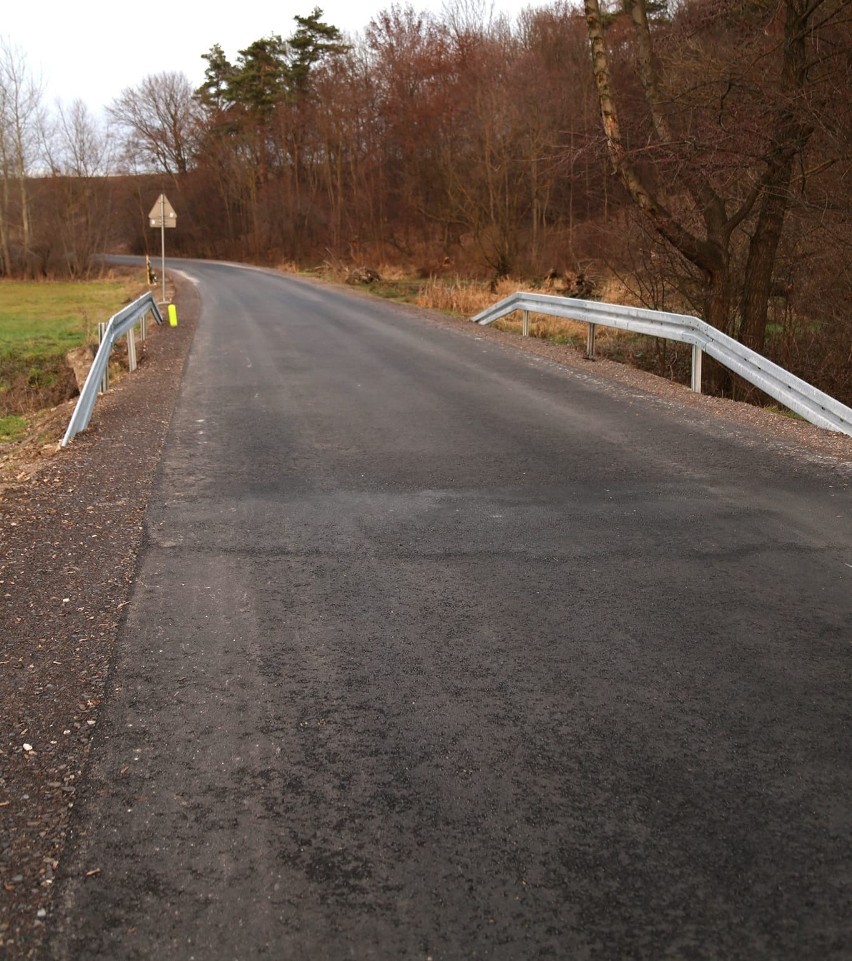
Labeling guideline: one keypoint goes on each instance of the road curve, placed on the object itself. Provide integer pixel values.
(440, 650)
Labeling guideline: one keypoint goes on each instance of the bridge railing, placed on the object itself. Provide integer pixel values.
(119, 324)
(791, 391)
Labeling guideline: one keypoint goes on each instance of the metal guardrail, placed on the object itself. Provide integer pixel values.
(119, 324)
(796, 394)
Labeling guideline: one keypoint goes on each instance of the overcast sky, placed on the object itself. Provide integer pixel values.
(93, 49)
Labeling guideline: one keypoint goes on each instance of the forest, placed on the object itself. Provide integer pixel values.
(697, 151)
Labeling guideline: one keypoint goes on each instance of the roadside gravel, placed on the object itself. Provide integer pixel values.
(72, 528)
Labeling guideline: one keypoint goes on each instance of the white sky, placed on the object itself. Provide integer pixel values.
(93, 49)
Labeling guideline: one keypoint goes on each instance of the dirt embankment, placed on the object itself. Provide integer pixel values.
(29, 390)
(72, 524)
(33, 389)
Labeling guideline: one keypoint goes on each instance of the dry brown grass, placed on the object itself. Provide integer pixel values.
(563, 331)
(466, 298)
(469, 297)
(461, 297)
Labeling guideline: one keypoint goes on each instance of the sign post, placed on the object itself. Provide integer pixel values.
(162, 215)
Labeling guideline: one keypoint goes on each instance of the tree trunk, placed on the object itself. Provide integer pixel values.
(5, 257)
(709, 254)
(762, 250)
(790, 135)
(717, 298)
(26, 242)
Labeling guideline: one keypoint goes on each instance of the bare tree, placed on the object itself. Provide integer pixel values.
(82, 146)
(159, 120)
(723, 129)
(21, 120)
(79, 150)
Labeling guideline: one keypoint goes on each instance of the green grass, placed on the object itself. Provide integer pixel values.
(42, 320)
(12, 427)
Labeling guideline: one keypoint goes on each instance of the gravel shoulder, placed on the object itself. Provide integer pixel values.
(72, 528)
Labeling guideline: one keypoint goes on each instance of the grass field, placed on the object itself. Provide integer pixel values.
(43, 320)
(39, 323)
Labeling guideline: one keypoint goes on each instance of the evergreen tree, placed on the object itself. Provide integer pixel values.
(312, 41)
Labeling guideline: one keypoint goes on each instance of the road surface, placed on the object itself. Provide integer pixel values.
(440, 650)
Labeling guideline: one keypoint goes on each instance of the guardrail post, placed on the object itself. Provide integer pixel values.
(697, 355)
(102, 328)
(525, 324)
(590, 342)
(131, 350)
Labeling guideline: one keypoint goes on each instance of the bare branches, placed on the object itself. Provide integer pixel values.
(707, 254)
(759, 114)
(159, 118)
(21, 123)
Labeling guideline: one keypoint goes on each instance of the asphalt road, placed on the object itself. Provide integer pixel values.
(439, 650)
